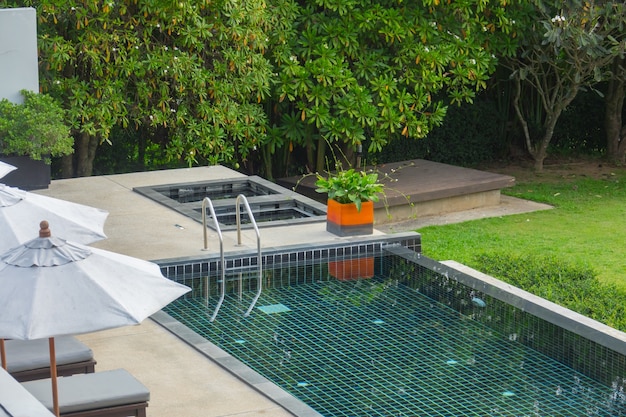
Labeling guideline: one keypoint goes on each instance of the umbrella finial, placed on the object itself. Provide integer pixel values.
(44, 229)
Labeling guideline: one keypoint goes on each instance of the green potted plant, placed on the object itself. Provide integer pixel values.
(30, 134)
(351, 197)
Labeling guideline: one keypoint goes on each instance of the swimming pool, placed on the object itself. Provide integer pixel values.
(417, 339)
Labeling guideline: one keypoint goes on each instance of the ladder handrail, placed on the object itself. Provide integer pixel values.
(207, 201)
(258, 243)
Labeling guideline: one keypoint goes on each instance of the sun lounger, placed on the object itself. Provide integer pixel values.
(113, 393)
(30, 359)
(16, 401)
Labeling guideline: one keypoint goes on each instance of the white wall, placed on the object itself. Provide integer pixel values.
(18, 53)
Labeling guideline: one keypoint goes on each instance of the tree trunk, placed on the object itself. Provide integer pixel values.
(85, 146)
(539, 150)
(615, 143)
(320, 162)
(311, 157)
(67, 166)
(539, 156)
(141, 150)
(266, 157)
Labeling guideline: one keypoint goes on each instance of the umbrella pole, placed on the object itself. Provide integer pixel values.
(53, 377)
(3, 355)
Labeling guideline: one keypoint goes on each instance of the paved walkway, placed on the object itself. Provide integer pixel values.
(140, 227)
(182, 381)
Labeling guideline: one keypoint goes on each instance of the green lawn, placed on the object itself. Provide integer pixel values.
(587, 227)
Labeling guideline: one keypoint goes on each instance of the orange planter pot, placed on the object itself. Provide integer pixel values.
(352, 269)
(345, 220)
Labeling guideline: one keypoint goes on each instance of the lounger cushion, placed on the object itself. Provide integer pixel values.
(24, 355)
(16, 401)
(90, 391)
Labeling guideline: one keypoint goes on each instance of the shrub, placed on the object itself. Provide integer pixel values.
(35, 128)
(572, 286)
(470, 134)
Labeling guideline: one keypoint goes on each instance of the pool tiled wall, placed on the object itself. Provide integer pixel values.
(587, 346)
(371, 245)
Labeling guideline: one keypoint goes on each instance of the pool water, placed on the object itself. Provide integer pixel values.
(263, 212)
(379, 348)
(271, 204)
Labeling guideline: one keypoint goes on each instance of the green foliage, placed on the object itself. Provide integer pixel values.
(269, 84)
(361, 72)
(569, 285)
(35, 128)
(350, 186)
(195, 69)
(132, 152)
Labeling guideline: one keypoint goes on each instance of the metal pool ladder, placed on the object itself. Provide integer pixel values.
(240, 197)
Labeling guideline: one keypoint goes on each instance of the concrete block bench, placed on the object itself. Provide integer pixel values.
(28, 360)
(16, 401)
(114, 393)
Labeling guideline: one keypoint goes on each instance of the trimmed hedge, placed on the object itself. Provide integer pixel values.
(571, 286)
(470, 134)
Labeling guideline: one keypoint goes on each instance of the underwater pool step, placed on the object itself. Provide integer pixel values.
(274, 308)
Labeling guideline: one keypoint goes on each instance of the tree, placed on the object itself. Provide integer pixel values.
(359, 73)
(614, 125)
(567, 46)
(193, 69)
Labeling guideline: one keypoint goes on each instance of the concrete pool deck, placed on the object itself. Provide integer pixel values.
(182, 381)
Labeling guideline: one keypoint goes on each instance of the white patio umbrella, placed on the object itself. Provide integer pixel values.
(21, 210)
(5, 168)
(52, 287)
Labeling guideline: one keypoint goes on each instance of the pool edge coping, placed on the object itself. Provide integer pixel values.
(563, 317)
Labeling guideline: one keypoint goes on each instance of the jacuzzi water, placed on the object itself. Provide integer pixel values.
(271, 204)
